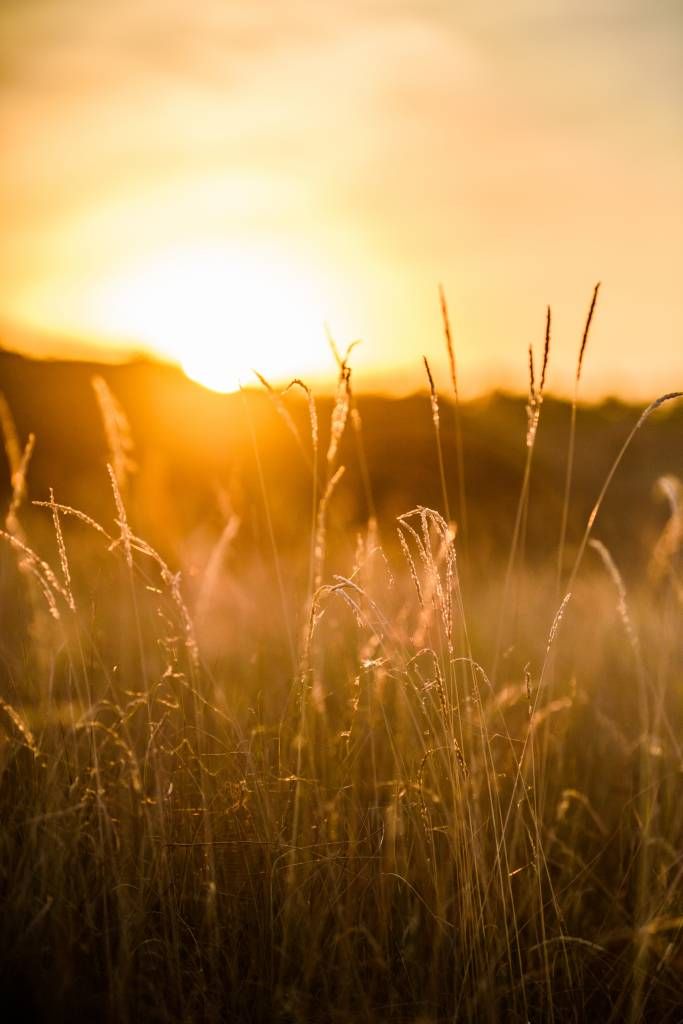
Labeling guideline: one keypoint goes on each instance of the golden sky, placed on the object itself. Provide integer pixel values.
(214, 180)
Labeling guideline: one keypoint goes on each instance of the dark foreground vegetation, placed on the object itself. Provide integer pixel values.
(354, 762)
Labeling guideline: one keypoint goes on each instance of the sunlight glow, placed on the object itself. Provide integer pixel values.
(222, 313)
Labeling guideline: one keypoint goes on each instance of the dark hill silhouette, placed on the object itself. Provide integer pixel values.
(192, 443)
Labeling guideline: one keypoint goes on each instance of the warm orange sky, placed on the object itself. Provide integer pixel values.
(212, 180)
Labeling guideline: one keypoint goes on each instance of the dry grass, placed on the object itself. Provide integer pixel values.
(390, 799)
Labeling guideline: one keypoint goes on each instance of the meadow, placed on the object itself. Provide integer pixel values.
(332, 709)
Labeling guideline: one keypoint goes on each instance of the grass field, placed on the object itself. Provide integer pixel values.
(357, 762)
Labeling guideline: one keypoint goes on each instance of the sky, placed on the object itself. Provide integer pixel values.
(213, 182)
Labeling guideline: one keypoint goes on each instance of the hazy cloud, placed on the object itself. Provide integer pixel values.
(512, 149)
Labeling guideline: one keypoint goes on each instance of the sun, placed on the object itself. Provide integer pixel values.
(222, 313)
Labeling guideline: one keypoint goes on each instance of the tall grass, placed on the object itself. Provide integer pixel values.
(572, 437)
(360, 812)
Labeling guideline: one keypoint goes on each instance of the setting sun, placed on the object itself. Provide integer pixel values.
(220, 314)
